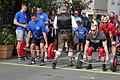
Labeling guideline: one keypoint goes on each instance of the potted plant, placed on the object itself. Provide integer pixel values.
(7, 42)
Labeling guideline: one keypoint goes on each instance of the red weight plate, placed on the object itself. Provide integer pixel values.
(115, 62)
(21, 51)
(51, 48)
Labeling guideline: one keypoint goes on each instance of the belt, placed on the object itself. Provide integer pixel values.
(64, 31)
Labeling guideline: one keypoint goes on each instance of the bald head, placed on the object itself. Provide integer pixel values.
(63, 9)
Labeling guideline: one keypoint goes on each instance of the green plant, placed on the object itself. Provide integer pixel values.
(7, 36)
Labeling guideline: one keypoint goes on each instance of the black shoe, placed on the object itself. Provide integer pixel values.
(104, 67)
(89, 66)
(32, 61)
(42, 64)
(54, 64)
(70, 64)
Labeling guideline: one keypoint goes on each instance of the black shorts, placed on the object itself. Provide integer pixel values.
(81, 40)
(96, 46)
(38, 41)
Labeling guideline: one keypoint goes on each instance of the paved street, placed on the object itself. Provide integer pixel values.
(12, 70)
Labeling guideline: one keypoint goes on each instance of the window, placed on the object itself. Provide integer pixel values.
(118, 2)
(113, 2)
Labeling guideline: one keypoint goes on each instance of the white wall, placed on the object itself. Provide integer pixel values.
(101, 4)
(114, 7)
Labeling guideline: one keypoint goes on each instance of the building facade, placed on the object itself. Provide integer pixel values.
(104, 6)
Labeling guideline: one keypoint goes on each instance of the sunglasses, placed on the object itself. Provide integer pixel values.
(93, 30)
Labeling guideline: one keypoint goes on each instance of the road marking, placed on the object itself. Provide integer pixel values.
(87, 77)
(72, 69)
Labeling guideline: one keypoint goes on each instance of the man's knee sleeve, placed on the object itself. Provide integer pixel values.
(101, 52)
(90, 51)
(70, 54)
(37, 47)
(58, 53)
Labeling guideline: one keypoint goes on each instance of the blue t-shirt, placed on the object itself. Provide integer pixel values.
(42, 16)
(21, 17)
(37, 28)
(81, 31)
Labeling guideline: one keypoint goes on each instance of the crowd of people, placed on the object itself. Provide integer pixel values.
(80, 32)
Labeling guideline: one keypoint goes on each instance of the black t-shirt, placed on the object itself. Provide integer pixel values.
(97, 41)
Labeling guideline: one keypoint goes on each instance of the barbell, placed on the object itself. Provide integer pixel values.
(22, 50)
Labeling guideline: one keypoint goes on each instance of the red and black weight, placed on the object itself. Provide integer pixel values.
(113, 64)
(51, 48)
(20, 49)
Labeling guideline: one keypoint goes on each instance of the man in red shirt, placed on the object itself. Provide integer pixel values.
(110, 32)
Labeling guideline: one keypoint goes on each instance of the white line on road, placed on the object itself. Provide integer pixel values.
(72, 69)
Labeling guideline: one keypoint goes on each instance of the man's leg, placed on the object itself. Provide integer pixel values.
(57, 55)
(101, 52)
(32, 49)
(90, 50)
(42, 53)
(81, 46)
(37, 48)
(114, 49)
(60, 48)
(19, 36)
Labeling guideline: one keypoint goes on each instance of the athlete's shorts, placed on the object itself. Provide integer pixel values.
(38, 41)
(21, 35)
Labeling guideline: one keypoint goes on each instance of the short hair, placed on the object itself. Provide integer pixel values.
(38, 6)
(33, 14)
(80, 22)
(94, 26)
(24, 3)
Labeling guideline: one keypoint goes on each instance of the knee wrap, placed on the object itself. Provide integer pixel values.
(101, 52)
(58, 53)
(70, 54)
(90, 51)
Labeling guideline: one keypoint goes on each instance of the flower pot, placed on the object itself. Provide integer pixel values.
(6, 51)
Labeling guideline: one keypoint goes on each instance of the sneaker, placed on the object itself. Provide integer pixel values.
(46, 60)
(42, 64)
(19, 59)
(24, 58)
(89, 66)
(70, 64)
(32, 63)
(37, 59)
(104, 67)
(54, 64)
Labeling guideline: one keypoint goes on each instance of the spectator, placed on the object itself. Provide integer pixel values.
(85, 20)
(20, 21)
(81, 32)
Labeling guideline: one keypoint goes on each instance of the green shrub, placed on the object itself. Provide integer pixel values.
(7, 36)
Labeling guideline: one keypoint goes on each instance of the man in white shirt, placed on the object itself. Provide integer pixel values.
(65, 24)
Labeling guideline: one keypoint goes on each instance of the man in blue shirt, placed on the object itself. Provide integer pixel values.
(37, 27)
(44, 17)
(20, 21)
